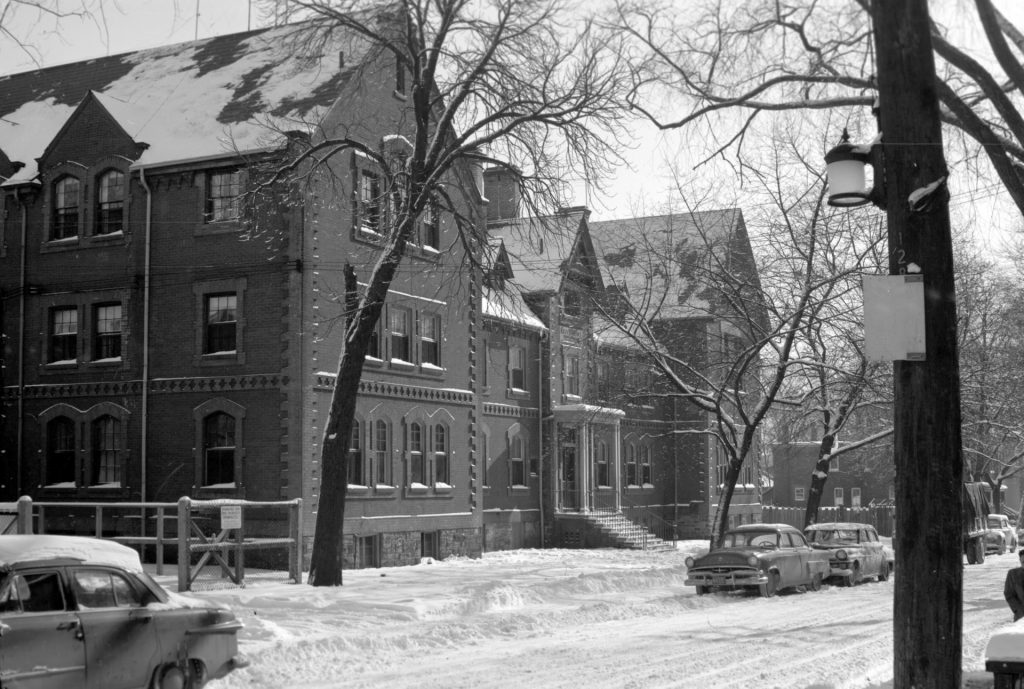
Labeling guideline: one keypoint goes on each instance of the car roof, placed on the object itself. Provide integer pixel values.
(763, 527)
(823, 526)
(21, 549)
(999, 515)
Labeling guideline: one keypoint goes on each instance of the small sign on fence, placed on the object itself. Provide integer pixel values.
(230, 517)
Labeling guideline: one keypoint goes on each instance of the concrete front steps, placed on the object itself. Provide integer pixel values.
(617, 531)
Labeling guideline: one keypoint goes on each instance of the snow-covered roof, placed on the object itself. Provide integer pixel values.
(187, 101)
(24, 548)
(508, 306)
(660, 259)
(538, 249)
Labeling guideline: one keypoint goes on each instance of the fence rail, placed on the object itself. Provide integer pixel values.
(214, 530)
(881, 517)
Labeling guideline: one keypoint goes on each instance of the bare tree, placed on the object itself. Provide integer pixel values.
(504, 82)
(764, 311)
(731, 63)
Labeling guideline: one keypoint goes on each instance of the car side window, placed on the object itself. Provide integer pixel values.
(43, 589)
(10, 601)
(99, 588)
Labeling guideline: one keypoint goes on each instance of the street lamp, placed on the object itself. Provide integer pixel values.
(845, 173)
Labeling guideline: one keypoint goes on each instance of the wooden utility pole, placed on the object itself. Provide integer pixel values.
(928, 613)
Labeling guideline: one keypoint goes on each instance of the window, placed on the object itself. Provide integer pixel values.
(106, 451)
(221, 320)
(517, 368)
(354, 465)
(60, 452)
(369, 202)
(631, 465)
(222, 192)
(485, 375)
(45, 592)
(517, 468)
(373, 348)
(219, 449)
(798, 494)
(441, 463)
(485, 445)
(838, 497)
(432, 227)
(430, 340)
(99, 588)
(65, 208)
(398, 324)
(603, 387)
(64, 334)
(572, 375)
(855, 497)
(417, 466)
(381, 453)
(833, 463)
(572, 304)
(110, 202)
(399, 77)
(646, 474)
(601, 468)
(106, 332)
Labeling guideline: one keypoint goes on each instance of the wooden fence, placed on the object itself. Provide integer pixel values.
(214, 531)
(882, 518)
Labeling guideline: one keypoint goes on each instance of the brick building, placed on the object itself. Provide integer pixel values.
(161, 339)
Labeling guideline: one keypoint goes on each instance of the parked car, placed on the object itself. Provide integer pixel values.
(854, 551)
(1000, 536)
(81, 612)
(760, 557)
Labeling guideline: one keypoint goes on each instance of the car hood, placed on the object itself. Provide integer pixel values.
(726, 557)
(836, 546)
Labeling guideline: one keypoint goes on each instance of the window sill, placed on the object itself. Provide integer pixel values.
(221, 359)
(112, 362)
(519, 490)
(56, 367)
(107, 238)
(401, 365)
(432, 370)
(442, 488)
(56, 245)
(517, 394)
(367, 235)
(63, 487)
(357, 490)
(217, 227)
(384, 489)
(571, 398)
(372, 361)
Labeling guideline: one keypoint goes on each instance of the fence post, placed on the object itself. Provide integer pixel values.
(295, 534)
(184, 561)
(24, 515)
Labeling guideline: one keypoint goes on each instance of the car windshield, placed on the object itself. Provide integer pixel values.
(750, 539)
(832, 536)
(994, 523)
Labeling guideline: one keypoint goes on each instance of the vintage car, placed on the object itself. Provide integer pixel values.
(854, 551)
(759, 557)
(1001, 536)
(81, 612)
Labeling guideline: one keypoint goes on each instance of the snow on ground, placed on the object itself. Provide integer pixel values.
(603, 619)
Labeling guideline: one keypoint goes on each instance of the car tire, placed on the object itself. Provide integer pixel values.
(169, 677)
(816, 582)
(854, 578)
(703, 590)
(884, 572)
(1002, 546)
(769, 588)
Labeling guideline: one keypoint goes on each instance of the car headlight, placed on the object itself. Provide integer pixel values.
(841, 555)
(689, 562)
(752, 560)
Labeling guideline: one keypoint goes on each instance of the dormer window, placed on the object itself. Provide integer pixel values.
(110, 202)
(65, 208)
(222, 191)
(572, 304)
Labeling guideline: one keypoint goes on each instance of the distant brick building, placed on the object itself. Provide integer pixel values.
(160, 340)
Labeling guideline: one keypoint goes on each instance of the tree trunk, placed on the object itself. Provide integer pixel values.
(927, 619)
(818, 479)
(732, 474)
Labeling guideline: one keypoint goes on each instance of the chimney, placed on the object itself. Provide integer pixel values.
(501, 187)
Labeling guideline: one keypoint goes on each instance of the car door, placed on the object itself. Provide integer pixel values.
(121, 645)
(41, 643)
(872, 552)
(792, 560)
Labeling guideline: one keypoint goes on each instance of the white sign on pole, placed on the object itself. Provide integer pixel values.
(230, 517)
(894, 317)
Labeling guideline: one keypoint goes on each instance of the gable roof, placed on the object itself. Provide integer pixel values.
(541, 251)
(659, 260)
(193, 100)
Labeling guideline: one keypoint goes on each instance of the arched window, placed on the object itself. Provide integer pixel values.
(110, 202)
(631, 465)
(646, 475)
(517, 468)
(218, 449)
(441, 464)
(354, 468)
(65, 208)
(417, 465)
(106, 451)
(381, 453)
(60, 451)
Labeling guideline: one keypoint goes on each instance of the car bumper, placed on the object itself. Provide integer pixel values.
(727, 580)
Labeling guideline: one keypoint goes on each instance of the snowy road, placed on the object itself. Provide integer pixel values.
(606, 619)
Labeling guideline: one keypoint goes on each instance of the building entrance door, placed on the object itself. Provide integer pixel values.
(568, 483)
